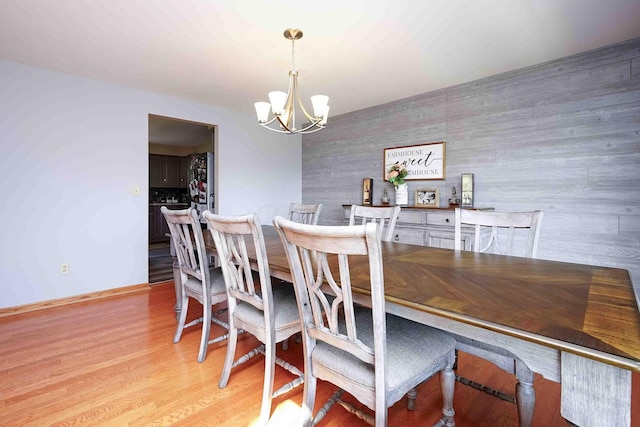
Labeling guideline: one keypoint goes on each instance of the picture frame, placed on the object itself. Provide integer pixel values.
(423, 162)
(367, 191)
(467, 190)
(427, 198)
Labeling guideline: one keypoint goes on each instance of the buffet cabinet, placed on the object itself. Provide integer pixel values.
(427, 226)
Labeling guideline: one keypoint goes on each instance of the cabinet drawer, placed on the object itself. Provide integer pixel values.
(411, 236)
(411, 217)
(441, 218)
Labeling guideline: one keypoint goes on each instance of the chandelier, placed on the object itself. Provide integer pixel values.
(284, 105)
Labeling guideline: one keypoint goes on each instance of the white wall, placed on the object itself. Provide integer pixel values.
(71, 151)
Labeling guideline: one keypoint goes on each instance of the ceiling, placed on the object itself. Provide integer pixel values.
(360, 53)
(178, 133)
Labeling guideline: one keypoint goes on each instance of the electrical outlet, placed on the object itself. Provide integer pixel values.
(136, 191)
(64, 268)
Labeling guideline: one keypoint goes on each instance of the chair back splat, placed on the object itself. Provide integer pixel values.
(348, 339)
(269, 313)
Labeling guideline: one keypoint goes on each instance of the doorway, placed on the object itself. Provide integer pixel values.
(172, 142)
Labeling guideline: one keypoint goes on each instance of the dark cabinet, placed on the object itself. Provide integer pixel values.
(168, 171)
(156, 171)
(183, 172)
(158, 227)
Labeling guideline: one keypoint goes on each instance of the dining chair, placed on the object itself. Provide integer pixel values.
(305, 213)
(497, 232)
(503, 233)
(270, 313)
(374, 356)
(198, 280)
(385, 216)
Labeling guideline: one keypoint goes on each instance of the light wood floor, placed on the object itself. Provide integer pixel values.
(112, 362)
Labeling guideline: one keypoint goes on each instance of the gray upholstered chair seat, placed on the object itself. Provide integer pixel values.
(285, 314)
(216, 285)
(414, 352)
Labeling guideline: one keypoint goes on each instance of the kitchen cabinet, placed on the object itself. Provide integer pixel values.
(183, 172)
(168, 171)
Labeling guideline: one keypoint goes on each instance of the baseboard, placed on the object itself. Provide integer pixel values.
(9, 311)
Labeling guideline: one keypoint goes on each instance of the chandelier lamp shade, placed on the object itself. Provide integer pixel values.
(285, 106)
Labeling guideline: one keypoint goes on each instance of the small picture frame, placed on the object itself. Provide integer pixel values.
(367, 191)
(467, 190)
(427, 198)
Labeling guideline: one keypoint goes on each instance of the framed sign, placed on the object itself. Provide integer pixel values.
(427, 197)
(425, 161)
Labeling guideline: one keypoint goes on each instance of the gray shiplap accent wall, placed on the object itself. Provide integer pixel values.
(562, 136)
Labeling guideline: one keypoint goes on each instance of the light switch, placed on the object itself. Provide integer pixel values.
(136, 191)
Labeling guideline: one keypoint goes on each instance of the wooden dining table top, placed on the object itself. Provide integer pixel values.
(586, 310)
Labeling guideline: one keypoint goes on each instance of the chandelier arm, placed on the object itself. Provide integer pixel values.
(289, 105)
(313, 130)
(308, 129)
(283, 124)
(274, 129)
(297, 96)
(314, 123)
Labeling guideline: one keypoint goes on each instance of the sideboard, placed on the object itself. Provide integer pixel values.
(426, 226)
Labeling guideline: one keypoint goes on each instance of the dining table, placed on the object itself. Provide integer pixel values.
(575, 324)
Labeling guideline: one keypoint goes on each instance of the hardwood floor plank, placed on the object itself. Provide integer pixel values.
(112, 362)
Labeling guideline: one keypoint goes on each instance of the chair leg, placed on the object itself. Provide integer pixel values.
(231, 351)
(525, 394)
(182, 319)
(206, 327)
(269, 374)
(447, 386)
(309, 395)
(411, 399)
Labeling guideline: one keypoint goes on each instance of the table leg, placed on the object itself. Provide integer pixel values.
(594, 393)
(525, 394)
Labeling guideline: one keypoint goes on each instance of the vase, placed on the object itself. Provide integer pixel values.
(402, 194)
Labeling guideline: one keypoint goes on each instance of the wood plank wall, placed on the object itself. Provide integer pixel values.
(562, 136)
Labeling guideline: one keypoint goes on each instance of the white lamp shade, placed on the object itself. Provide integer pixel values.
(277, 99)
(262, 111)
(320, 105)
(325, 116)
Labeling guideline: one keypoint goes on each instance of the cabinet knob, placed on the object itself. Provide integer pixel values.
(446, 220)
(396, 238)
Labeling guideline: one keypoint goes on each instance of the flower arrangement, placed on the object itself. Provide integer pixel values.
(396, 174)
